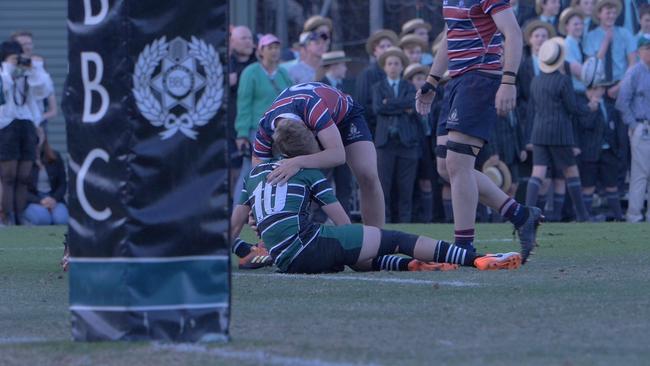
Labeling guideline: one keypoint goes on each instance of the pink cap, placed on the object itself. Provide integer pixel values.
(266, 40)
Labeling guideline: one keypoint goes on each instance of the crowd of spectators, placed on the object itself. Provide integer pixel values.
(32, 174)
(583, 110)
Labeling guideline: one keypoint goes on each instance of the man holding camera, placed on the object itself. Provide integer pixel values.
(25, 85)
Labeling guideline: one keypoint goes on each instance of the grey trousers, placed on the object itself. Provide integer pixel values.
(399, 171)
(639, 173)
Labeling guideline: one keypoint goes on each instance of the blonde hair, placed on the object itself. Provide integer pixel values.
(292, 138)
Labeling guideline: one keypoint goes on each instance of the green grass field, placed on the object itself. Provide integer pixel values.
(583, 300)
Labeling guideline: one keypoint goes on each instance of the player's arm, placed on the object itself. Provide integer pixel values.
(238, 219)
(425, 95)
(506, 22)
(332, 155)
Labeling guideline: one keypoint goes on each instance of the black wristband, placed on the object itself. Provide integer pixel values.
(510, 73)
(427, 87)
(436, 78)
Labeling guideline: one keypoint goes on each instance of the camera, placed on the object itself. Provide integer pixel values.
(24, 61)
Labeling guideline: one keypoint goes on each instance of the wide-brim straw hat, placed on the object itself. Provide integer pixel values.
(414, 24)
(316, 21)
(393, 51)
(532, 25)
(538, 6)
(412, 40)
(567, 14)
(602, 3)
(334, 57)
(498, 173)
(378, 36)
(414, 69)
(551, 55)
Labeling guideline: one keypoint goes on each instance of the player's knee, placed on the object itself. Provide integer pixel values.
(396, 241)
(367, 178)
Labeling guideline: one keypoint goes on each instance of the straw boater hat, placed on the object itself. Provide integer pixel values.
(551, 55)
(498, 173)
(530, 27)
(378, 36)
(567, 14)
(393, 51)
(414, 24)
(412, 40)
(333, 57)
(414, 69)
(602, 3)
(316, 21)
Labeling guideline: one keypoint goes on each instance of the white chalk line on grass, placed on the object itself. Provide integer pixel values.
(403, 281)
(261, 357)
(19, 249)
(22, 340)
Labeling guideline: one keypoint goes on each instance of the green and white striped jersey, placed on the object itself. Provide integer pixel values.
(282, 211)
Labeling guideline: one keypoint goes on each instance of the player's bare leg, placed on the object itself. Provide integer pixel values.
(362, 159)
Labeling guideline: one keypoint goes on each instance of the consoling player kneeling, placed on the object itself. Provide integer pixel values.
(298, 245)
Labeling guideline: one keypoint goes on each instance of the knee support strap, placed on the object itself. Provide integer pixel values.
(461, 148)
(396, 241)
(441, 151)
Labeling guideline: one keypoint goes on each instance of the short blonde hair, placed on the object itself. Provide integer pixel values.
(292, 138)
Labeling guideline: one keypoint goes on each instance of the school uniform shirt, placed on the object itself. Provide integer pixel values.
(623, 43)
(23, 95)
(634, 95)
(574, 54)
(553, 104)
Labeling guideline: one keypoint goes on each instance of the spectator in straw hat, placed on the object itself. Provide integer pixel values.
(586, 7)
(377, 44)
(634, 104)
(644, 19)
(413, 46)
(416, 75)
(313, 45)
(571, 25)
(553, 104)
(335, 68)
(421, 29)
(616, 46)
(398, 134)
(318, 24)
(548, 11)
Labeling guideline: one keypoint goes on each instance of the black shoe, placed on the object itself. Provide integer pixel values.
(528, 232)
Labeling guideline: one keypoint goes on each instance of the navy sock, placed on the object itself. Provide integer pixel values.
(391, 263)
(532, 191)
(558, 203)
(614, 203)
(448, 253)
(588, 199)
(514, 212)
(241, 248)
(575, 191)
(465, 239)
(449, 211)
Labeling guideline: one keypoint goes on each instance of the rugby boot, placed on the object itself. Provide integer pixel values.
(528, 232)
(490, 262)
(419, 266)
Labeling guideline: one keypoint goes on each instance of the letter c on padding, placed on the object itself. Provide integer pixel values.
(81, 193)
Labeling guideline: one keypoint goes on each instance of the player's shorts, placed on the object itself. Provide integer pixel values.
(335, 247)
(604, 170)
(471, 108)
(353, 127)
(560, 157)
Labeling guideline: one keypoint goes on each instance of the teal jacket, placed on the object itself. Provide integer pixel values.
(255, 95)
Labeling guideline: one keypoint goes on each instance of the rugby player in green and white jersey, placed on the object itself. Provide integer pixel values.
(297, 245)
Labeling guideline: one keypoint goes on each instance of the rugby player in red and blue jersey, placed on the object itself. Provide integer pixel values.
(480, 89)
(340, 127)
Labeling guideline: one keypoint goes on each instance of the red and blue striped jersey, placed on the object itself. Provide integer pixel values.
(473, 40)
(317, 105)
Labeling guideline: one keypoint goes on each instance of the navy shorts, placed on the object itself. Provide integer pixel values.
(471, 108)
(354, 127)
(559, 157)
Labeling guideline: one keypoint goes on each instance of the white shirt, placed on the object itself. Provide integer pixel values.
(21, 105)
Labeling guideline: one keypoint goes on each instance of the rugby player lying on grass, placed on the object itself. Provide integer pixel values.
(300, 246)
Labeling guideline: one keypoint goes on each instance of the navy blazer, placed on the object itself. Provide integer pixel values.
(397, 112)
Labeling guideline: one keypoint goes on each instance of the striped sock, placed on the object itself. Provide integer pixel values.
(514, 212)
(465, 239)
(391, 263)
(448, 253)
(241, 248)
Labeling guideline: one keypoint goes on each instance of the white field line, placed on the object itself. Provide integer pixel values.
(23, 340)
(402, 281)
(19, 249)
(260, 357)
